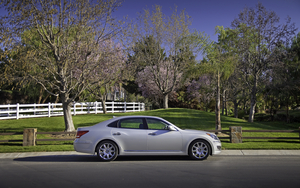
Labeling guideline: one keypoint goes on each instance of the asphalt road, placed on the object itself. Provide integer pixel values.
(143, 172)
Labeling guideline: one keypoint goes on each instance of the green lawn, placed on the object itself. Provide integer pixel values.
(183, 118)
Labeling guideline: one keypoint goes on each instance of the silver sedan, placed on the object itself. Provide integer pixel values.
(144, 135)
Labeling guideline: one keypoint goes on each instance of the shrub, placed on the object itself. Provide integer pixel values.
(262, 117)
(241, 114)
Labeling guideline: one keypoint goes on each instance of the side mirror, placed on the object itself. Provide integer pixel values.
(171, 128)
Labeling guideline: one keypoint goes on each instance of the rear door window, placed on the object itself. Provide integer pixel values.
(132, 123)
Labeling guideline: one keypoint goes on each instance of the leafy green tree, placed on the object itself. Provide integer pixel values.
(221, 64)
(259, 33)
(285, 80)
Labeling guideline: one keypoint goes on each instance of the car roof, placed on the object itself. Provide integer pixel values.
(125, 117)
(136, 116)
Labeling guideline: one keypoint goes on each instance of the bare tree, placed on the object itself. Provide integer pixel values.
(109, 65)
(70, 32)
(158, 39)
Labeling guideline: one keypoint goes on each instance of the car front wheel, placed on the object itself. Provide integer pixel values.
(199, 150)
(107, 151)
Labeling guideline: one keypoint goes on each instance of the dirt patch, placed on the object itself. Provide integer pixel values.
(63, 135)
(222, 135)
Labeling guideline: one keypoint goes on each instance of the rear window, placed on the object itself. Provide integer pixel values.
(113, 124)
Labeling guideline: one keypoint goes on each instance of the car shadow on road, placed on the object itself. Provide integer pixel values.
(94, 158)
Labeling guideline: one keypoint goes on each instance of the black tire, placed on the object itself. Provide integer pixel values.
(199, 150)
(107, 151)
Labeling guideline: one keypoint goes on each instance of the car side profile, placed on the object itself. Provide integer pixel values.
(144, 135)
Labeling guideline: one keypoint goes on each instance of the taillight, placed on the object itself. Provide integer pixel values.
(80, 133)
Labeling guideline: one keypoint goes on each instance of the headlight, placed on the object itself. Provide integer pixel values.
(213, 136)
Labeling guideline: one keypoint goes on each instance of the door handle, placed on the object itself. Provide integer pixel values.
(117, 133)
(152, 133)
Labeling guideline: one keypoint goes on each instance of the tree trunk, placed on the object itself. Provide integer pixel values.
(103, 100)
(272, 111)
(287, 111)
(166, 98)
(218, 115)
(244, 101)
(48, 95)
(103, 97)
(40, 95)
(226, 110)
(57, 99)
(104, 107)
(254, 88)
(253, 102)
(120, 89)
(223, 103)
(244, 107)
(235, 103)
(69, 125)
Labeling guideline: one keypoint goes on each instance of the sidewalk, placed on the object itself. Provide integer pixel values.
(224, 152)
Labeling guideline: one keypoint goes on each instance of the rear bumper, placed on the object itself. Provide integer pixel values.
(83, 146)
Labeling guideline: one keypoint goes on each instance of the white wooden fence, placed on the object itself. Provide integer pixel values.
(17, 111)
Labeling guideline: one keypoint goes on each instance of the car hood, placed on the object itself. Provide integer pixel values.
(191, 131)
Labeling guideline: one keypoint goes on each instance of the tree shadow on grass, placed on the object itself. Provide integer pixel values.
(11, 144)
(285, 141)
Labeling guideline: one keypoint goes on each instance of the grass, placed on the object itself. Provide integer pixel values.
(183, 118)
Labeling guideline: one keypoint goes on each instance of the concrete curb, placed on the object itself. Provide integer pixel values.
(260, 152)
(38, 154)
(224, 153)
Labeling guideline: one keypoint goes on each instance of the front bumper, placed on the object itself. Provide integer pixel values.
(217, 148)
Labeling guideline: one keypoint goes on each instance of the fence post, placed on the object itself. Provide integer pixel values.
(235, 134)
(125, 106)
(18, 109)
(74, 108)
(139, 104)
(96, 105)
(112, 106)
(29, 137)
(34, 107)
(49, 109)
(8, 109)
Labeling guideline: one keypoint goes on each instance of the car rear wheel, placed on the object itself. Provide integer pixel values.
(107, 151)
(199, 150)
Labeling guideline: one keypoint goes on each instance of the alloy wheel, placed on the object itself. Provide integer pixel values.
(200, 150)
(107, 151)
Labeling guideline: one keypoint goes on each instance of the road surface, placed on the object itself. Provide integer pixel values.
(143, 172)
